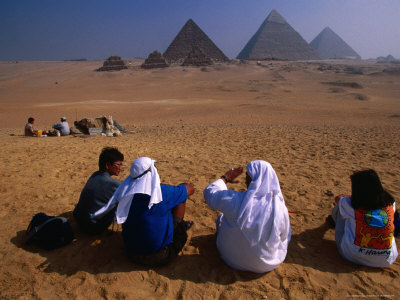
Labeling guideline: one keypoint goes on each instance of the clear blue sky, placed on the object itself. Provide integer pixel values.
(96, 29)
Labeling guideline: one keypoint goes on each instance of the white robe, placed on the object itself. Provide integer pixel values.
(261, 245)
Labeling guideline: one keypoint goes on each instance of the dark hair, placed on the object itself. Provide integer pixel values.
(367, 191)
(109, 155)
(30, 120)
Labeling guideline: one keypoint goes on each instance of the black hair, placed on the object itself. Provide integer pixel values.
(30, 120)
(109, 155)
(368, 192)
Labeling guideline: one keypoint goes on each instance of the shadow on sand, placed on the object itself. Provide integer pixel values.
(310, 249)
(105, 253)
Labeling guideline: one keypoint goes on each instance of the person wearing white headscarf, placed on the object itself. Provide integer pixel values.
(253, 230)
(151, 214)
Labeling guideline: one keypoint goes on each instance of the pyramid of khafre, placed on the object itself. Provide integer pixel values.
(329, 45)
(191, 36)
(155, 60)
(276, 39)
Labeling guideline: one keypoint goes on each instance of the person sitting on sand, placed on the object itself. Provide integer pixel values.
(151, 214)
(363, 222)
(29, 131)
(98, 191)
(62, 127)
(253, 230)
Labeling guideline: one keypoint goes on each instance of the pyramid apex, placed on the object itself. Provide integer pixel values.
(190, 24)
(275, 17)
(189, 21)
(188, 37)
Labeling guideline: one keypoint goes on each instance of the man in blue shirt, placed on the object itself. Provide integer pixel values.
(97, 191)
(62, 127)
(151, 214)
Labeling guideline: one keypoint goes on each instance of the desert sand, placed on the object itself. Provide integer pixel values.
(315, 122)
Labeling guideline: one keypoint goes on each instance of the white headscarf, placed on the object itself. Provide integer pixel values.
(263, 217)
(143, 179)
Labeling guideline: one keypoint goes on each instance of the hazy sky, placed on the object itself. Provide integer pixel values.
(96, 29)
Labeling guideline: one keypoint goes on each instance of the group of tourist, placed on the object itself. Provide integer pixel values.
(253, 229)
(59, 129)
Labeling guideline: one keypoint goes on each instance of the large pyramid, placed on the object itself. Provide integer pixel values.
(329, 45)
(191, 36)
(276, 39)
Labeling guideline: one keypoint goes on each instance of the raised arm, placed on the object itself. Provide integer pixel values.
(230, 175)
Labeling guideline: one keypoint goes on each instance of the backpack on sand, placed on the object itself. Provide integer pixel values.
(48, 232)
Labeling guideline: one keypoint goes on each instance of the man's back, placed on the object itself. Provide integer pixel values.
(148, 230)
(63, 127)
(96, 193)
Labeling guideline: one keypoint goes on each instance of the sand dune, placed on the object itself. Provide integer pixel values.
(197, 123)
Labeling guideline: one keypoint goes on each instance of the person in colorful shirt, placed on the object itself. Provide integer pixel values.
(364, 222)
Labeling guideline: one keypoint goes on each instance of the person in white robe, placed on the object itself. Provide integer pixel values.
(253, 229)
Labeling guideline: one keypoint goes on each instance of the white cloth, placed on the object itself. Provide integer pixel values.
(253, 231)
(143, 179)
(345, 234)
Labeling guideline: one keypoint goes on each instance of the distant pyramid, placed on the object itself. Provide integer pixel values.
(329, 46)
(276, 39)
(155, 60)
(191, 36)
(387, 58)
(113, 63)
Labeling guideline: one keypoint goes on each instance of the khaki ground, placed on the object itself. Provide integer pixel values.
(316, 123)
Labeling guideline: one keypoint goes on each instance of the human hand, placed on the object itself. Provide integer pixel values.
(338, 197)
(231, 175)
